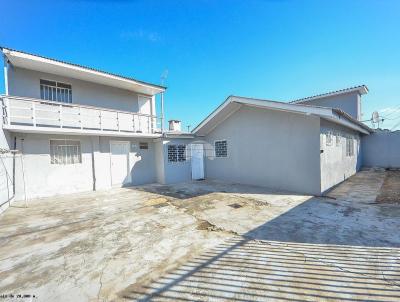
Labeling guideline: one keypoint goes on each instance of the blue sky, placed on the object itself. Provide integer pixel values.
(279, 50)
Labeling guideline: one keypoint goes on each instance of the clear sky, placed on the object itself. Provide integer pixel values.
(279, 50)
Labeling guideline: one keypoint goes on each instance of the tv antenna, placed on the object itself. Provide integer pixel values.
(375, 118)
(164, 76)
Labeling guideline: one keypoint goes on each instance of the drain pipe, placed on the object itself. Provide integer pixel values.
(162, 112)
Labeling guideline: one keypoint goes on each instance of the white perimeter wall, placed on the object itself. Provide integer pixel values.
(335, 165)
(268, 148)
(45, 179)
(381, 149)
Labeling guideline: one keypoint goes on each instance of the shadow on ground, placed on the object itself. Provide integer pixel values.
(319, 250)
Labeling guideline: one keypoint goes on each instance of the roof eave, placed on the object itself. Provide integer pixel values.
(93, 75)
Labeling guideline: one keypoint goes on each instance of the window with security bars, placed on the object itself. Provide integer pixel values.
(349, 146)
(337, 140)
(176, 153)
(221, 148)
(55, 91)
(329, 139)
(65, 152)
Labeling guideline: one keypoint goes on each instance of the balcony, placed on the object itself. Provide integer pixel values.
(22, 114)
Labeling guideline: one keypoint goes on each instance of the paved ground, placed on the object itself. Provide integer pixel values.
(205, 241)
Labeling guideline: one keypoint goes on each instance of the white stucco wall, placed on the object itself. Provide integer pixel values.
(45, 179)
(381, 149)
(335, 165)
(268, 148)
(350, 103)
(173, 172)
(24, 82)
(6, 171)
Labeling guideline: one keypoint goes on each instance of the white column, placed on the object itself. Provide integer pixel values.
(162, 111)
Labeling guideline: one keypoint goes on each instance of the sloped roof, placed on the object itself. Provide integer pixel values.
(38, 62)
(233, 103)
(361, 89)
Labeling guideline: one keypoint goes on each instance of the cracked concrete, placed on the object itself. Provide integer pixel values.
(187, 242)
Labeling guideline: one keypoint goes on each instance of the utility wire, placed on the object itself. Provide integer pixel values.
(395, 126)
(395, 110)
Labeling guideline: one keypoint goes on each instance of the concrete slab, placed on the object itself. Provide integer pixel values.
(205, 241)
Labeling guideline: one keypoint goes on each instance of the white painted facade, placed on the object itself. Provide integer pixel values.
(273, 144)
(106, 111)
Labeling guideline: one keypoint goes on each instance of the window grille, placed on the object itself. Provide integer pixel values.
(65, 152)
(337, 140)
(221, 148)
(329, 139)
(181, 153)
(349, 147)
(176, 153)
(172, 153)
(55, 91)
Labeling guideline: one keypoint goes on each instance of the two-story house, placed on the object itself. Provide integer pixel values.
(77, 128)
(72, 128)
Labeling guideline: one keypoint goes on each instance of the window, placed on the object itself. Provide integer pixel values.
(55, 91)
(221, 148)
(337, 140)
(172, 153)
(349, 146)
(329, 139)
(181, 153)
(65, 152)
(144, 146)
(176, 153)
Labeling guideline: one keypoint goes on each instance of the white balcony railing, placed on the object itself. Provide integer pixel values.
(20, 111)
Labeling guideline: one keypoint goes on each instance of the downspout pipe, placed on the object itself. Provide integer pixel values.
(6, 67)
(162, 112)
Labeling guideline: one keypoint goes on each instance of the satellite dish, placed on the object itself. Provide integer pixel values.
(375, 117)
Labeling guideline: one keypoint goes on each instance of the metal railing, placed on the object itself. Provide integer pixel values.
(41, 113)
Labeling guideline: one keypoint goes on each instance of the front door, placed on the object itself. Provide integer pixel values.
(197, 160)
(119, 163)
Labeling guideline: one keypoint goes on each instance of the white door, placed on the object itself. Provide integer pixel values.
(119, 163)
(144, 104)
(197, 160)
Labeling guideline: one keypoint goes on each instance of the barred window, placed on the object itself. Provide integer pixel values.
(176, 153)
(65, 152)
(329, 139)
(221, 148)
(55, 91)
(181, 153)
(337, 140)
(349, 146)
(172, 153)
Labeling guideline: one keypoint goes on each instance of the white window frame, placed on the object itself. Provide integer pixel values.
(55, 90)
(63, 163)
(215, 152)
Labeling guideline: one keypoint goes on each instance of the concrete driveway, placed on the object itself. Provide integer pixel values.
(205, 241)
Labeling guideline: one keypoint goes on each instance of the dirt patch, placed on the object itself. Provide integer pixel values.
(390, 190)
